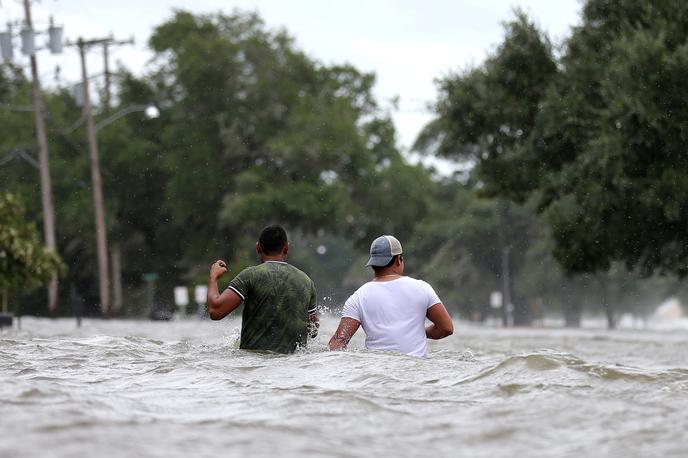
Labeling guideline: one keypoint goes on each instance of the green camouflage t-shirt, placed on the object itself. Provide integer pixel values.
(277, 300)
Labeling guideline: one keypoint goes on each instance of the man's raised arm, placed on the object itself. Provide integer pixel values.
(220, 305)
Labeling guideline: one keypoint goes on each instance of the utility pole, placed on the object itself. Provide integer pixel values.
(507, 307)
(106, 69)
(98, 205)
(46, 186)
(101, 235)
(107, 43)
(116, 249)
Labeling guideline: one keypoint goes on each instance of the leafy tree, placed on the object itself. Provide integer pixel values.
(253, 130)
(24, 262)
(603, 156)
(613, 177)
(486, 114)
(17, 139)
(593, 140)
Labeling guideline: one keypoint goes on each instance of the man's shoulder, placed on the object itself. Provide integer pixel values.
(300, 272)
(365, 287)
(417, 282)
(292, 271)
(295, 272)
(248, 271)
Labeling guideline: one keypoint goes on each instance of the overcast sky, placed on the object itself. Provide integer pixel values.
(407, 43)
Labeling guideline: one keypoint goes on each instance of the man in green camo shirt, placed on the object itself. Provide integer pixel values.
(279, 299)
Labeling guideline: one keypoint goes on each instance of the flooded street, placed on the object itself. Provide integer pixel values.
(172, 389)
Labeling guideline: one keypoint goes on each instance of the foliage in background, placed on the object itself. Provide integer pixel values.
(593, 140)
(253, 131)
(596, 139)
(24, 262)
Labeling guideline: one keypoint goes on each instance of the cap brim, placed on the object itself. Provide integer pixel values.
(379, 261)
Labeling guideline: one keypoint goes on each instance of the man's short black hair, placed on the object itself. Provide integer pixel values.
(272, 239)
(390, 263)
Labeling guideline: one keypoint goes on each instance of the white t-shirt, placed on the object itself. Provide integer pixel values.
(392, 314)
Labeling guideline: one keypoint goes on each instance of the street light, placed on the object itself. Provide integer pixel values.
(151, 112)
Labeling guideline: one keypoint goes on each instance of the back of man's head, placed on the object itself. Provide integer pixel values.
(272, 239)
(389, 264)
(383, 252)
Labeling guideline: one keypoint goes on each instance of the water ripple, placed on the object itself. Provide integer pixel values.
(177, 389)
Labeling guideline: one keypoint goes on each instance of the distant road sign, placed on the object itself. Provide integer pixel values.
(201, 294)
(496, 299)
(150, 276)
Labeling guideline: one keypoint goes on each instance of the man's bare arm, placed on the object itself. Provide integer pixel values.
(220, 305)
(442, 325)
(347, 328)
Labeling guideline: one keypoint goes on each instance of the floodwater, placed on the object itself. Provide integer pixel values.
(183, 388)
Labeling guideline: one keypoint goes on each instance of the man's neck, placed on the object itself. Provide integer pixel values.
(275, 258)
(387, 273)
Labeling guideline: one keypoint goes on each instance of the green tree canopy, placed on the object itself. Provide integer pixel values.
(24, 262)
(253, 130)
(486, 114)
(596, 138)
(613, 174)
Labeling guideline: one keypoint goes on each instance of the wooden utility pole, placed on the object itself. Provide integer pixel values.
(101, 235)
(44, 165)
(106, 70)
(98, 205)
(116, 249)
(506, 287)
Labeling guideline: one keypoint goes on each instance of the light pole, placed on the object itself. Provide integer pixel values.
(29, 48)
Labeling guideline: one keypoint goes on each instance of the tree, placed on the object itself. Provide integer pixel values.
(599, 150)
(24, 262)
(486, 114)
(603, 159)
(253, 130)
(613, 179)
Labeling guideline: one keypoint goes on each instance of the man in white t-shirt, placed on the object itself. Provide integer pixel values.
(392, 308)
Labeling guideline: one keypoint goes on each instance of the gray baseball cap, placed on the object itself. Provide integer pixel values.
(383, 249)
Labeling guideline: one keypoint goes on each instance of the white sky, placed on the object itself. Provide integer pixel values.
(407, 43)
